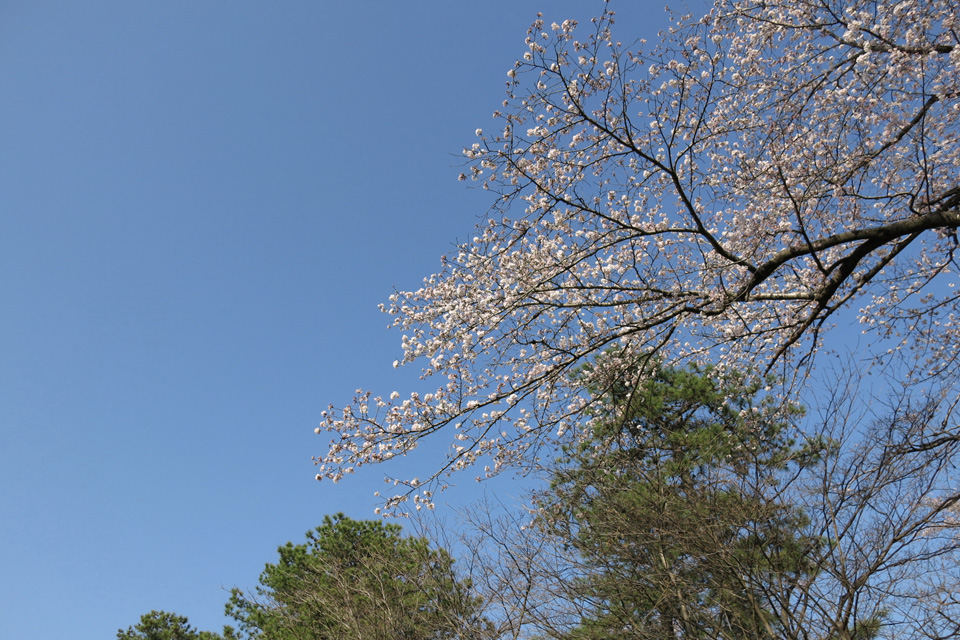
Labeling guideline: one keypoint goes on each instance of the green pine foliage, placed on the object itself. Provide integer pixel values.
(358, 579)
(672, 503)
(162, 625)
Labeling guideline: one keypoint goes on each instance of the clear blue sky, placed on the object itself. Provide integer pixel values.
(201, 205)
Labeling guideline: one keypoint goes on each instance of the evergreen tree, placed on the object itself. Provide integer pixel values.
(673, 505)
(358, 579)
(162, 625)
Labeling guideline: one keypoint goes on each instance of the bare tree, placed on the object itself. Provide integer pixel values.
(884, 506)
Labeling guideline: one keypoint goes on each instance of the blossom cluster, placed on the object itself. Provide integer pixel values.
(722, 195)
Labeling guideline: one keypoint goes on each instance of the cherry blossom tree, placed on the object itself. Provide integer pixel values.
(764, 172)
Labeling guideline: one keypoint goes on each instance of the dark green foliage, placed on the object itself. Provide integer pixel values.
(161, 625)
(673, 505)
(358, 579)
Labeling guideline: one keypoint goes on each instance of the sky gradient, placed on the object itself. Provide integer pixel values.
(201, 205)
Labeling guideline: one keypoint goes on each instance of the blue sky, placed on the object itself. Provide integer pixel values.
(201, 205)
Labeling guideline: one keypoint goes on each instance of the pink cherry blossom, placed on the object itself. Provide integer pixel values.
(722, 196)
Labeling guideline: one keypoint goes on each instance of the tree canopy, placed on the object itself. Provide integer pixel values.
(722, 195)
(706, 510)
(675, 507)
(358, 579)
(162, 625)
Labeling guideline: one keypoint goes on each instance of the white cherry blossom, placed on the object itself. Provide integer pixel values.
(721, 196)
